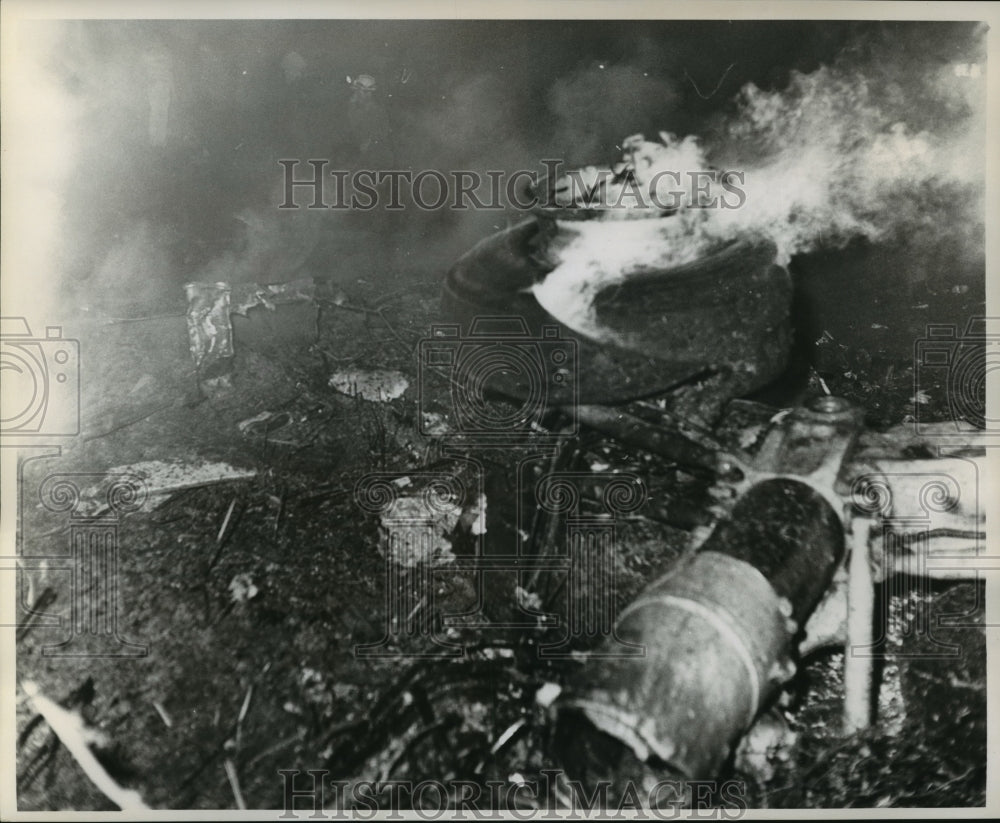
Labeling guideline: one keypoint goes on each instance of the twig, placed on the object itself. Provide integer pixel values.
(41, 760)
(381, 301)
(552, 521)
(45, 599)
(234, 784)
(350, 359)
(114, 321)
(225, 522)
(717, 85)
(315, 495)
(345, 306)
(392, 330)
(272, 749)
(243, 713)
(162, 712)
(277, 515)
(423, 734)
(246, 704)
(508, 734)
(952, 681)
(128, 423)
(416, 609)
(955, 779)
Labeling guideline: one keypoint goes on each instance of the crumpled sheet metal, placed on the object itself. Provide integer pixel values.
(210, 333)
(210, 305)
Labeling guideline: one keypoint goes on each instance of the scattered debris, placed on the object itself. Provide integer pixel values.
(529, 601)
(144, 486)
(242, 588)
(547, 694)
(344, 691)
(378, 385)
(474, 517)
(414, 531)
(749, 436)
(210, 328)
(246, 296)
(433, 424)
(314, 689)
(263, 423)
(768, 741)
(170, 476)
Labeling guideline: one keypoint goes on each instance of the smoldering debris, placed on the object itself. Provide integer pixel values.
(829, 154)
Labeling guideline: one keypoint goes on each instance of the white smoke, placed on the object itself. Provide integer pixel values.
(835, 156)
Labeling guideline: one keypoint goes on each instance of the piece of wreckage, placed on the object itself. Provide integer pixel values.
(807, 524)
(647, 311)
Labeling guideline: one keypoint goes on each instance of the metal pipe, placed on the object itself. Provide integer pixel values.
(860, 615)
(719, 633)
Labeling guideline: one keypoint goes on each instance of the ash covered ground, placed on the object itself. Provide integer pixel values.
(252, 595)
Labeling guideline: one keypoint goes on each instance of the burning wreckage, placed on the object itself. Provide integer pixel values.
(672, 302)
(620, 287)
(637, 303)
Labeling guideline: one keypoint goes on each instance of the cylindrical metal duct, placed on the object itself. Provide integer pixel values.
(718, 631)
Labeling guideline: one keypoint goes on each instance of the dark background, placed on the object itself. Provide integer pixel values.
(141, 219)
